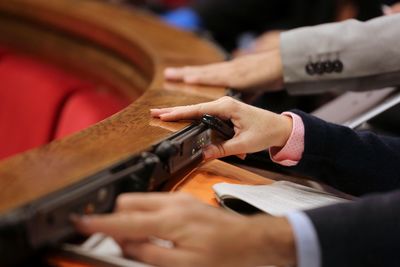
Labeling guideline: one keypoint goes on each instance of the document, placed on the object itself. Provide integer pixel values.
(276, 199)
(103, 249)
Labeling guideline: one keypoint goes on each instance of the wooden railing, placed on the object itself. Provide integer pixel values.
(125, 49)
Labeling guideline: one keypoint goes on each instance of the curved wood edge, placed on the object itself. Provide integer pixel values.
(136, 37)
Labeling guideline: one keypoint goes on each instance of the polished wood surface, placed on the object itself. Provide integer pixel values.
(126, 49)
(200, 181)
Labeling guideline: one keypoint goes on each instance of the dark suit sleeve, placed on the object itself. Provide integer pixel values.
(364, 233)
(354, 162)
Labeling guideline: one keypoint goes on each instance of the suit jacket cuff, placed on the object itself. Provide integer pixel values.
(349, 42)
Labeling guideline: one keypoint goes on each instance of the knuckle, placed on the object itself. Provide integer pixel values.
(235, 106)
(226, 99)
(204, 109)
(229, 101)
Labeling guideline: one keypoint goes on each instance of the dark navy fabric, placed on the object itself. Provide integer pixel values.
(365, 232)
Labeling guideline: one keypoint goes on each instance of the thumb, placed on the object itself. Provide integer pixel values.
(224, 149)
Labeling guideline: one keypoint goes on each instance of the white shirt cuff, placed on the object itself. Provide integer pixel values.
(307, 244)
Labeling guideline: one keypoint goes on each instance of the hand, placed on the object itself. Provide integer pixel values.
(263, 70)
(394, 9)
(202, 235)
(255, 129)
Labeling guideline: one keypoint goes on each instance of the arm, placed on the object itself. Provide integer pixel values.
(336, 235)
(359, 234)
(368, 51)
(199, 235)
(355, 162)
(202, 236)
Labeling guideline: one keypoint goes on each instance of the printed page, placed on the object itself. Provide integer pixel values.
(277, 199)
(104, 249)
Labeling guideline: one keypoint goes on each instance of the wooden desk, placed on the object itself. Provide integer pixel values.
(125, 49)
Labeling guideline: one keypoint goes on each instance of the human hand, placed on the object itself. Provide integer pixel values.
(256, 71)
(255, 129)
(201, 235)
(394, 9)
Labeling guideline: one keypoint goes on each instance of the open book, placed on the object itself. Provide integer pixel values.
(276, 199)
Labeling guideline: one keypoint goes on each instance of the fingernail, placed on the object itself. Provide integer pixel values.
(154, 112)
(170, 72)
(163, 116)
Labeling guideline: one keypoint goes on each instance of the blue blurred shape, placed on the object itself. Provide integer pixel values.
(184, 18)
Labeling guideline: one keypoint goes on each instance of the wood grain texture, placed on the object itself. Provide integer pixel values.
(129, 49)
(200, 181)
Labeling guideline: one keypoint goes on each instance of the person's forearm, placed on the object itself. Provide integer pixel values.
(354, 162)
(359, 234)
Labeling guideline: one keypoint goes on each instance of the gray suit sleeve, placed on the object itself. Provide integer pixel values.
(369, 51)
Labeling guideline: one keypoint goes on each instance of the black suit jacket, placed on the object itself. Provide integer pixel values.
(365, 232)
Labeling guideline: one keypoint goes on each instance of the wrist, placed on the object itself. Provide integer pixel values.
(277, 71)
(275, 240)
(283, 130)
(273, 72)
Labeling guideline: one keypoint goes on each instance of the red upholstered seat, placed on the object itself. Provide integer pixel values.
(39, 103)
(3, 51)
(86, 107)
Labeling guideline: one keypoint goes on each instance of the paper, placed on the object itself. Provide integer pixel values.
(278, 198)
(105, 249)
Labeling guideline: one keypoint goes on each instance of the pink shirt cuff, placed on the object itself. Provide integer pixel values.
(291, 153)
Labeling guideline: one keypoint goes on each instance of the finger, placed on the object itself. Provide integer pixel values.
(121, 226)
(156, 112)
(212, 74)
(179, 74)
(183, 112)
(221, 108)
(228, 148)
(174, 73)
(218, 74)
(142, 201)
(158, 256)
